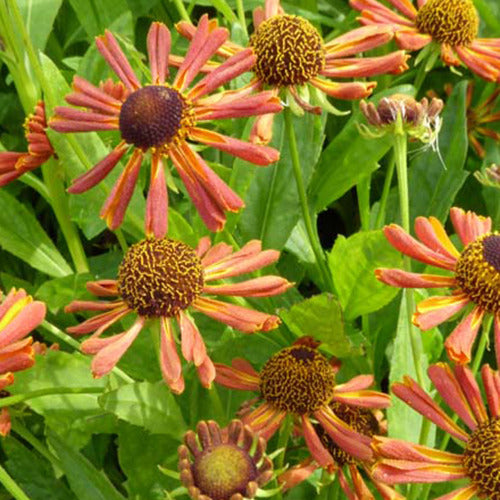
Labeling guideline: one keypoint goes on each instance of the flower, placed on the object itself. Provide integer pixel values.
(402, 462)
(13, 164)
(290, 54)
(401, 113)
(490, 176)
(300, 381)
(160, 118)
(367, 423)
(475, 280)
(451, 24)
(19, 315)
(160, 279)
(223, 464)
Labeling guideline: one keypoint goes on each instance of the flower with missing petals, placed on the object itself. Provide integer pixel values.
(223, 464)
(300, 381)
(13, 164)
(452, 25)
(291, 56)
(160, 118)
(478, 464)
(475, 279)
(19, 315)
(160, 280)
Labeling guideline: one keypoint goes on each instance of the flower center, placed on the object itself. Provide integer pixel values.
(454, 22)
(153, 116)
(482, 459)
(289, 51)
(478, 272)
(361, 420)
(160, 277)
(297, 379)
(222, 471)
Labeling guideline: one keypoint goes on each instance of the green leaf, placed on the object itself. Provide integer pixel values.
(24, 237)
(321, 317)
(148, 405)
(39, 16)
(272, 209)
(85, 480)
(349, 158)
(353, 262)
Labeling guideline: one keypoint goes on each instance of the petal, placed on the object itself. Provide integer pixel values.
(468, 225)
(459, 343)
(5, 424)
(383, 14)
(206, 373)
(158, 42)
(77, 120)
(241, 318)
(467, 382)
(344, 90)
(364, 399)
(497, 338)
(487, 66)
(170, 362)
(316, 447)
(254, 153)
(103, 288)
(435, 310)
(265, 420)
(262, 129)
(89, 96)
(241, 375)
(405, 7)
(265, 286)
(297, 474)
(193, 347)
(355, 384)
(491, 381)
(100, 322)
(432, 234)
(404, 279)
(157, 201)
(464, 493)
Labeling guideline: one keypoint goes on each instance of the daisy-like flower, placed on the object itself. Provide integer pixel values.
(13, 164)
(223, 464)
(300, 381)
(161, 118)
(161, 279)
(479, 463)
(291, 55)
(450, 24)
(368, 423)
(475, 279)
(19, 315)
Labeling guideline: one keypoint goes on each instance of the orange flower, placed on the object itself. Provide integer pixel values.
(402, 462)
(300, 381)
(12, 164)
(290, 53)
(475, 280)
(160, 118)
(161, 279)
(451, 24)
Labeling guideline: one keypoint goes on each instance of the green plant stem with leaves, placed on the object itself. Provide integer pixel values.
(11, 486)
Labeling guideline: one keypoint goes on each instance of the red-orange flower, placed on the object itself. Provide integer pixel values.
(475, 280)
(300, 381)
(161, 279)
(160, 118)
(13, 164)
(290, 53)
(452, 24)
(402, 462)
(19, 315)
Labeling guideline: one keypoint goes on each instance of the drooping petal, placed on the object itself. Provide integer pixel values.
(170, 362)
(206, 372)
(405, 279)
(241, 375)
(431, 233)
(491, 381)
(316, 447)
(193, 347)
(265, 286)
(5, 424)
(468, 225)
(344, 90)
(103, 288)
(157, 201)
(465, 493)
(262, 129)
(77, 120)
(497, 338)
(159, 41)
(435, 310)
(470, 388)
(100, 322)
(482, 62)
(17, 356)
(355, 384)
(241, 318)
(405, 7)
(265, 420)
(459, 343)
(363, 399)
(296, 474)
(89, 96)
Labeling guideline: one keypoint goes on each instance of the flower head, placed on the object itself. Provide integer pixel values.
(13, 164)
(475, 279)
(223, 464)
(479, 463)
(450, 24)
(160, 118)
(160, 280)
(291, 56)
(300, 381)
(19, 315)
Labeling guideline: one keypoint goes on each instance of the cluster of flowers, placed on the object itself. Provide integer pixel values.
(162, 280)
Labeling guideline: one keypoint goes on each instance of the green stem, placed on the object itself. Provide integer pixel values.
(483, 342)
(283, 437)
(241, 17)
(297, 171)
(35, 183)
(182, 10)
(11, 486)
(419, 80)
(217, 406)
(363, 192)
(50, 391)
(121, 240)
(385, 193)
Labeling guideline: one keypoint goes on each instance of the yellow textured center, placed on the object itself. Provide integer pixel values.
(289, 51)
(160, 277)
(222, 471)
(361, 420)
(297, 379)
(482, 459)
(478, 272)
(454, 22)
